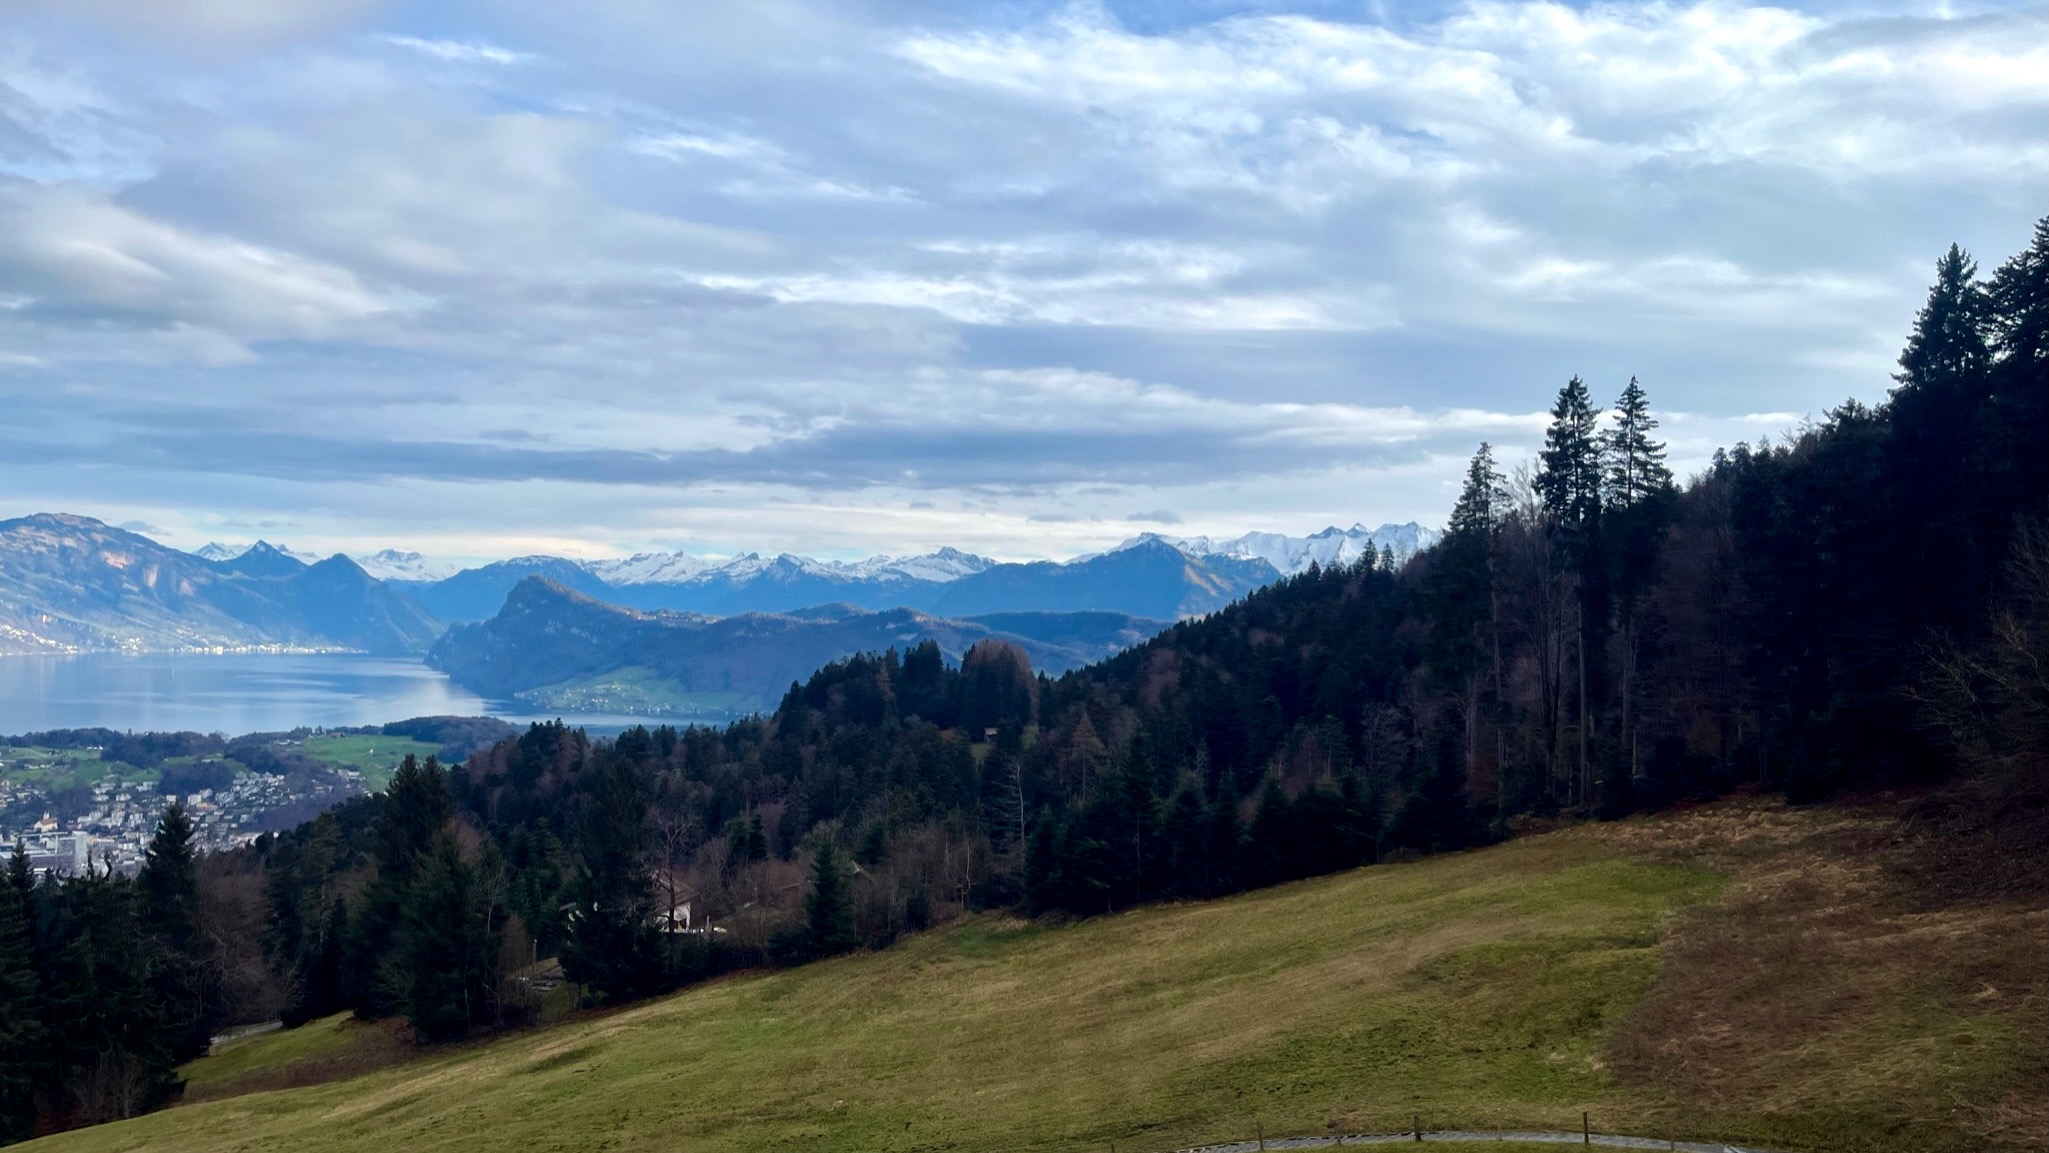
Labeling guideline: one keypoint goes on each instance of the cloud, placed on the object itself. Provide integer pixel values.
(84, 259)
(462, 51)
(1157, 516)
(963, 275)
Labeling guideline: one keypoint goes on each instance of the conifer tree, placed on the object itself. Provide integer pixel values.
(20, 884)
(21, 1031)
(1635, 471)
(1461, 599)
(1269, 843)
(1042, 879)
(829, 908)
(416, 807)
(2018, 296)
(1181, 836)
(1570, 475)
(1569, 481)
(1223, 845)
(2009, 466)
(1947, 353)
(169, 889)
(610, 944)
(449, 945)
(1937, 422)
(1638, 495)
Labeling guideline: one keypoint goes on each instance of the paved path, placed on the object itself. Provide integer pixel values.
(1611, 1140)
(241, 1031)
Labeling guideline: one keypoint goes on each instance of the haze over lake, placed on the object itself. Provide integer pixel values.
(241, 693)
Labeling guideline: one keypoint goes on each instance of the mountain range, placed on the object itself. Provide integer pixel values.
(557, 648)
(71, 584)
(1148, 578)
(384, 564)
(1136, 577)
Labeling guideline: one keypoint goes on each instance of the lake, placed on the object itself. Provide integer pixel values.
(244, 693)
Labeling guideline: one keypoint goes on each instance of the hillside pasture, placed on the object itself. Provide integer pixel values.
(1745, 972)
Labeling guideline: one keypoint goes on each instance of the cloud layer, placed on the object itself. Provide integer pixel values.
(880, 277)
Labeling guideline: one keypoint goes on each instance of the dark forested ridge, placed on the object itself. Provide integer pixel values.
(547, 635)
(1865, 602)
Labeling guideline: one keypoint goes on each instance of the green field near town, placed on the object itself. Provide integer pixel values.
(55, 769)
(375, 756)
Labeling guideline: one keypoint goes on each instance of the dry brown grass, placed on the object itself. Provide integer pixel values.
(1870, 975)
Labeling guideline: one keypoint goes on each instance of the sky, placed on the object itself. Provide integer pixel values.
(483, 278)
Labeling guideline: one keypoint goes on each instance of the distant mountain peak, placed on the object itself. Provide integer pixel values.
(394, 564)
(1294, 554)
(74, 584)
(264, 559)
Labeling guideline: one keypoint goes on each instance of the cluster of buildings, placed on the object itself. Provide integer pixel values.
(123, 817)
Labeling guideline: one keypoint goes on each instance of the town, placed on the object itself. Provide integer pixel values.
(113, 826)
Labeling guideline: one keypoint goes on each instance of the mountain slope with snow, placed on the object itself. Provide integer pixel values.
(1294, 554)
(74, 584)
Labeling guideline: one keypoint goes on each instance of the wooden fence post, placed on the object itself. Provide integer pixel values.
(1260, 1130)
(1586, 1130)
(1416, 1125)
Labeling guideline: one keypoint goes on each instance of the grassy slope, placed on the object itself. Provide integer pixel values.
(376, 757)
(637, 691)
(1510, 987)
(269, 1059)
(55, 769)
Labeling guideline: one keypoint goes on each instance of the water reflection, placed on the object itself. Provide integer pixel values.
(243, 693)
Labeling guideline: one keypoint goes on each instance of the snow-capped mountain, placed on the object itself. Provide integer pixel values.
(648, 568)
(1294, 554)
(682, 568)
(391, 564)
(385, 564)
(945, 565)
(222, 553)
(1194, 575)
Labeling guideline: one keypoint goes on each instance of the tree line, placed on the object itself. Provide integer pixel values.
(106, 986)
(1862, 602)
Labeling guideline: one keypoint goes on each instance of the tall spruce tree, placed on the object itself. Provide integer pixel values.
(1948, 352)
(1569, 480)
(21, 1029)
(168, 884)
(2008, 467)
(415, 809)
(829, 907)
(1634, 471)
(1937, 415)
(1638, 497)
(449, 945)
(610, 944)
(1463, 650)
